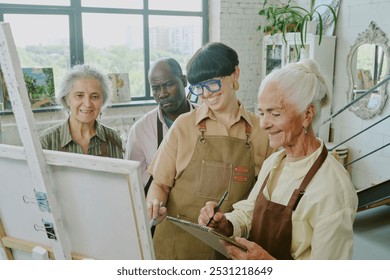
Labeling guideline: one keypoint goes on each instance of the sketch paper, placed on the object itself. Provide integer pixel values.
(206, 234)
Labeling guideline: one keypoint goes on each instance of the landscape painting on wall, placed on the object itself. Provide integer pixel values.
(40, 86)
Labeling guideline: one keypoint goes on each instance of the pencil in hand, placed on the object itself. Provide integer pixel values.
(153, 220)
(216, 208)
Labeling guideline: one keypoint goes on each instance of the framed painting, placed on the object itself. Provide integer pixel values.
(120, 87)
(40, 86)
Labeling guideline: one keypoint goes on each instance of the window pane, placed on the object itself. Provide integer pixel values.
(115, 43)
(38, 2)
(176, 5)
(177, 37)
(132, 4)
(42, 41)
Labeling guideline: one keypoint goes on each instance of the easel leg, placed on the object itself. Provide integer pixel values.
(40, 253)
(8, 251)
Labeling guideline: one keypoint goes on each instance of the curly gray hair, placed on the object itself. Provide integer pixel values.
(82, 71)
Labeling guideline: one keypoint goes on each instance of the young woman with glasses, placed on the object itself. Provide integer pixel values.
(217, 147)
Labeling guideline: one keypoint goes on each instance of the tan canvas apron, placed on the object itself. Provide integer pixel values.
(219, 163)
(272, 222)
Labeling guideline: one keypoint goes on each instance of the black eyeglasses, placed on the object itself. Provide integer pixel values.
(212, 86)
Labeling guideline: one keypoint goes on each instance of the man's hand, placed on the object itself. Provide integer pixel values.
(218, 219)
(255, 251)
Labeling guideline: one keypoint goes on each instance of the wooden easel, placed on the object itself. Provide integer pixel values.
(1, 133)
(7, 250)
(9, 243)
(21, 108)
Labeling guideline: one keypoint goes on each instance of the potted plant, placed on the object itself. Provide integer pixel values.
(278, 17)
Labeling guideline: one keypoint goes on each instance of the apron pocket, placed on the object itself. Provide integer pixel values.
(215, 179)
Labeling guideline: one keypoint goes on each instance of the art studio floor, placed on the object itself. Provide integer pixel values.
(372, 234)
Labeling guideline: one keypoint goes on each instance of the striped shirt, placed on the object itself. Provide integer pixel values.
(106, 142)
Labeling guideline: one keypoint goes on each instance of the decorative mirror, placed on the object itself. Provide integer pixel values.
(368, 66)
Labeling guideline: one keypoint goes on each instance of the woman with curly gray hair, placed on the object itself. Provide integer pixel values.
(84, 92)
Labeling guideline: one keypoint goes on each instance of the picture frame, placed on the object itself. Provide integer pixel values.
(40, 86)
(120, 83)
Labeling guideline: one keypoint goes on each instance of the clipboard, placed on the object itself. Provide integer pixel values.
(206, 234)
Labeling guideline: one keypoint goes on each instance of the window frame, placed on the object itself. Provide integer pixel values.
(76, 44)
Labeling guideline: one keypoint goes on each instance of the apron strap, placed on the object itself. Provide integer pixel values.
(159, 139)
(248, 131)
(159, 131)
(298, 193)
(202, 129)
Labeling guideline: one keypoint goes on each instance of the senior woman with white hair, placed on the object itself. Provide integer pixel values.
(84, 92)
(304, 203)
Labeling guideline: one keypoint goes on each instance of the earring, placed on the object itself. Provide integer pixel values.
(236, 85)
(305, 130)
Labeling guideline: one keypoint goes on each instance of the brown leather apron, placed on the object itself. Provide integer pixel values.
(272, 222)
(219, 163)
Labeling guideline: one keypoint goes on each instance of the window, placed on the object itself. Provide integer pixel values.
(41, 46)
(118, 36)
(118, 48)
(37, 2)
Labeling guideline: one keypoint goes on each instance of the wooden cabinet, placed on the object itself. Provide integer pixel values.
(277, 53)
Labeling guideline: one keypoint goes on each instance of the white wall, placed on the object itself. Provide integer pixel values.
(354, 17)
(236, 26)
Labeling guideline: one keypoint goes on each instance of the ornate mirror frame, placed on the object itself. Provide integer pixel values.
(372, 35)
